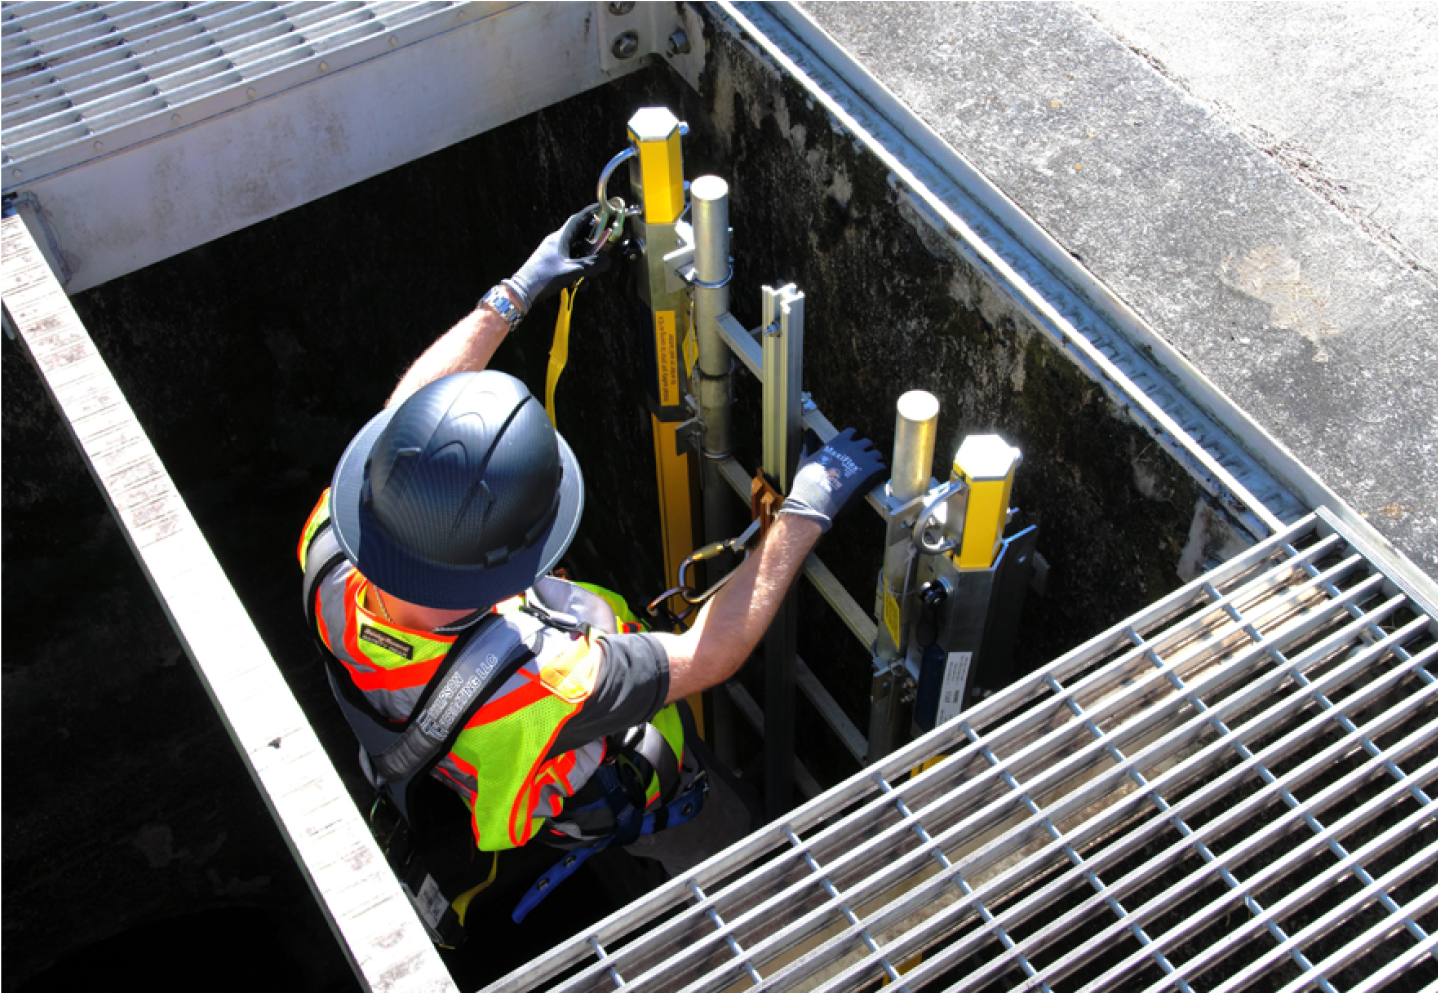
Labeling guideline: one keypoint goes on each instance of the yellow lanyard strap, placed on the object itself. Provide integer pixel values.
(559, 351)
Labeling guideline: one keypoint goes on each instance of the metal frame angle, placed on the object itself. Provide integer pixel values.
(783, 369)
(783, 349)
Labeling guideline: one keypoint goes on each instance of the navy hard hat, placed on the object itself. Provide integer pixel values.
(459, 497)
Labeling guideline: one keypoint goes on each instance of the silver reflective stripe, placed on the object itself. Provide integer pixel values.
(453, 772)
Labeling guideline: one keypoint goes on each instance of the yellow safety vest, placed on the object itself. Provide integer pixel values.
(499, 761)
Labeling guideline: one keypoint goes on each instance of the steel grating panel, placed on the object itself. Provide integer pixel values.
(83, 78)
(1233, 785)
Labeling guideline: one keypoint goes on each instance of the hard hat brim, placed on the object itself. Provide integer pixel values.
(441, 585)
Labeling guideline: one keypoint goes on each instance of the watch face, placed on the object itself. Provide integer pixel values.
(503, 306)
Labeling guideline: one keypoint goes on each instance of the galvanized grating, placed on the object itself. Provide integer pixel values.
(75, 74)
(1233, 786)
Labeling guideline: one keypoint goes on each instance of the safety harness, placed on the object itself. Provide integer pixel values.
(641, 787)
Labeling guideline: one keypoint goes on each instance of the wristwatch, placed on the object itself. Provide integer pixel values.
(498, 301)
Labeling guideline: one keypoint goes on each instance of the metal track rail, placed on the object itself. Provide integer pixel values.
(1237, 780)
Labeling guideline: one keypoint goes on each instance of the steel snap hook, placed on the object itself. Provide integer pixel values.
(612, 213)
(734, 546)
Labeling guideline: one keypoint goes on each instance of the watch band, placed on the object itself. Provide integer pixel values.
(498, 301)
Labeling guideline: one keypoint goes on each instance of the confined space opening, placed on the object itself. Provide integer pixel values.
(253, 359)
(227, 950)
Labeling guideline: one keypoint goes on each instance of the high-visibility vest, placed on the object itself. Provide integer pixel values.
(480, 709)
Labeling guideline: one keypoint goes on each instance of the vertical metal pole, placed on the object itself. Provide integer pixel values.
(709, 207)
(783, 432)
(709, 196)
(915, 430)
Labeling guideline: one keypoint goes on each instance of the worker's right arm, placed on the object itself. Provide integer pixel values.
(557, 263)
(730, 626)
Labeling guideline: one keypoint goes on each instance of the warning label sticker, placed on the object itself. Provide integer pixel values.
(668, 358)
(431, 902)
(891, 615)
(956, 680)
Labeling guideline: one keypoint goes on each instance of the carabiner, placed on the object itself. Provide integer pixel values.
(710, 551)
(612, 213)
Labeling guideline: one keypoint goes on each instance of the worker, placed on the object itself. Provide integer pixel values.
(456, 654)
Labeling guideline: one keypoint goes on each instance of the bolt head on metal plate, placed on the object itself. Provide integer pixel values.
(620, 9)
(679, 43)
(653, 124)
(626, 46)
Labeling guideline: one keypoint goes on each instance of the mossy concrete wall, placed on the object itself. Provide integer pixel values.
(892, 305)
(251, 361)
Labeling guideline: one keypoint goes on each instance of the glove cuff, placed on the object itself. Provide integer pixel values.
(798, 508)
(517, 288)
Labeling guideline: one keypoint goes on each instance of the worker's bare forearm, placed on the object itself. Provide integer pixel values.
(732, 623)
(466, 347)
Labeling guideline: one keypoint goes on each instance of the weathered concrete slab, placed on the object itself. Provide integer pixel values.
(1341, 97)
(1324, 335)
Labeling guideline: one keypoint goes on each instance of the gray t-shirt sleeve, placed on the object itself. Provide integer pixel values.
(632, 686)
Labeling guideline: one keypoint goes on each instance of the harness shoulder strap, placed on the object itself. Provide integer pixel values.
(499, 647)
(647, 749)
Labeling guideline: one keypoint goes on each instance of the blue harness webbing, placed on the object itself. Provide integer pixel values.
(630, 825)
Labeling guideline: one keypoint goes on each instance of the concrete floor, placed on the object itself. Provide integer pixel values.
(1253, 179)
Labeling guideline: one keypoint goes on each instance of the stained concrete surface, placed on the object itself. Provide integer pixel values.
(1255, 181)
(1341, 95)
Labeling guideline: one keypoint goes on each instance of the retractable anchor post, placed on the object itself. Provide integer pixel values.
(656, 176)
(657, 179)
(915, 430)
(971, 582)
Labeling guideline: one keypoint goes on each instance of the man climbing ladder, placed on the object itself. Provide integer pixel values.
(456, 656)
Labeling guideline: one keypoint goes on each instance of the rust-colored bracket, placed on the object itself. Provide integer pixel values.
(764, 502)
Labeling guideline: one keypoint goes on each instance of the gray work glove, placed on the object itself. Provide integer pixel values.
(833, 477)
(559, 262)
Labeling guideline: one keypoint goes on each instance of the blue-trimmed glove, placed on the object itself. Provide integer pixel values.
(832, 478)
(555, 265)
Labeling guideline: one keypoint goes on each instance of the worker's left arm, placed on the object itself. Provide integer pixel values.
(639, 673)
(557, 263)
(730, 625)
